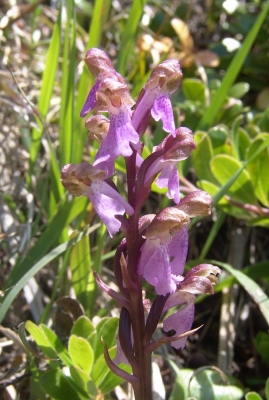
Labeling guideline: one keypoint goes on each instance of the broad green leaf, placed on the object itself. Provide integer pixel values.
(81, 353)
(83, 281)
(253, 289)
(83, 380)
(107, 329)
(205, 384)
(219, 139)
(244, 143)
(202, 155)
(57, 345)
(113, 380)
(33, 269)
(258, 169)
(224, 167)
(83, 327)
(40, 339)
(253, 396)
(59, 386)
(193, 89)
(238, 90)
(224, 189)
(235, 135)
(233, 70)
(100, 369)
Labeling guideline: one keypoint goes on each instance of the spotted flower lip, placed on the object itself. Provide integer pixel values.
(155, 261)
(172, 150)
(121, 137)
(198, 280)
(182, 320)
(85, 179)
(154, 97)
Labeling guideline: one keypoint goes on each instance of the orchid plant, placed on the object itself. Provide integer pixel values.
(155, 246)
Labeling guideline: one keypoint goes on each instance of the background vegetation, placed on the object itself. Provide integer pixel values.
(49, 240)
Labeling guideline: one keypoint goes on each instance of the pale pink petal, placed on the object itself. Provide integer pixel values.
(182, 320)
(108, 203)
(162, 110)
(169, 179)
(117, 142)
(90, 101)
(178, 249)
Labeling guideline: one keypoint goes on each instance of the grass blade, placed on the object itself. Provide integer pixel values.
(253, 289)
(22, 281)
(231, 74)
(67, 123)
(128, 37)
(50, 236)
(48, 81)
(100, 14)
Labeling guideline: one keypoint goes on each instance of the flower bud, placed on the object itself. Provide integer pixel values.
(196, 204)
(166, 76)
(168, 220)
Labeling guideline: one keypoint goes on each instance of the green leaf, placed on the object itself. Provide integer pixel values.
(253, 396)
(100, 368)
(233, 70)
(193, 89)
(219, 139)
(258, 169)
(103, 377)
(244, 143)
(59, 386)
(57, 345)
(202, 155)
(224, 189)
(83, 327)
(205, 384)
(238, 90)
(83, 281)
(224, 167)
(39, 337)
(107, 329)
(83, 381)
(113, 380)
(81, 353)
